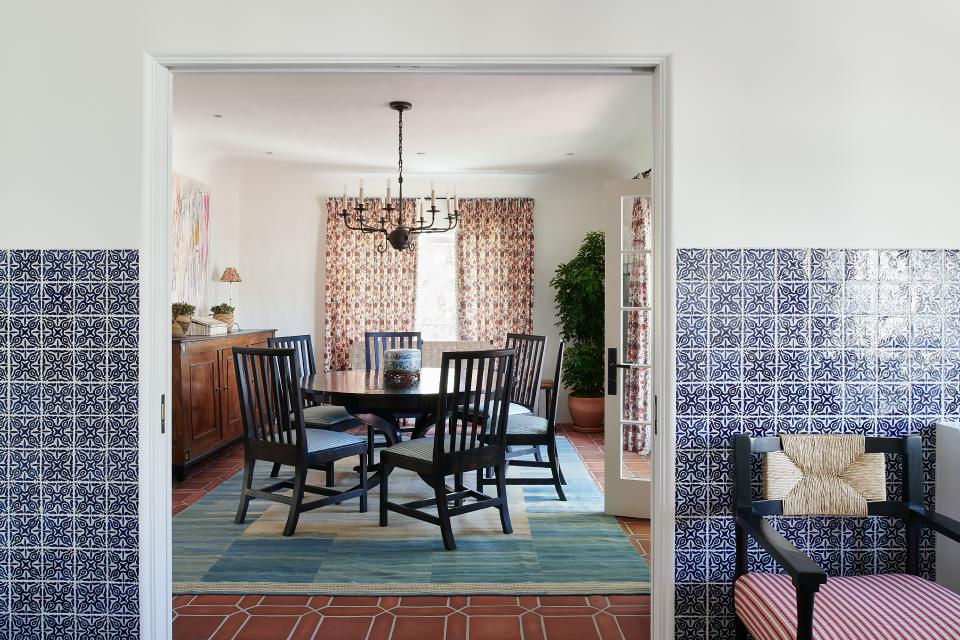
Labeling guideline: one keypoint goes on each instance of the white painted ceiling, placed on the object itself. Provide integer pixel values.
(461, 123)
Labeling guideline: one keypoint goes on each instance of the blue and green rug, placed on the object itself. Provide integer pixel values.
(556, 547)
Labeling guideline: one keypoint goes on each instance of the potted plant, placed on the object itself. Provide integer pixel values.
(579, 303)
(182, 312)
(224, 313)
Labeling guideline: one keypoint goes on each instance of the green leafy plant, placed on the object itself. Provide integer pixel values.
(222, 308)
(183, 309)
(579, 303)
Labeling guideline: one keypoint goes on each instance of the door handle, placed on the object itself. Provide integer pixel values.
(612, 366)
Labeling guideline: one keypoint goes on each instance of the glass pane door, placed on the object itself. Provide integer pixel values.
(630, 407)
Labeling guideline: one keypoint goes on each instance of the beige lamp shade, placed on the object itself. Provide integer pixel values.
(230, 275)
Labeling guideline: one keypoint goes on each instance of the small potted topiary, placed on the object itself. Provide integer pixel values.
(224, 313)
(579, 303)
(182, 312)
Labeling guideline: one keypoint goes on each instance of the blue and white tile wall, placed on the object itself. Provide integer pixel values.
(802, 341)
(68, 444)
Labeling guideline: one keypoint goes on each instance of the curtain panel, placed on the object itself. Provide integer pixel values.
(636, 383)
(494, 268)
(365, 290)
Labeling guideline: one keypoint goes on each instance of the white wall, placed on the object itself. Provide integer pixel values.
(223, 178)
(283, 221)
(809, 123)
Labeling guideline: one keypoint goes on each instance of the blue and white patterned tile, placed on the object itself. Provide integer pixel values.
(68, 356)
(804, 341)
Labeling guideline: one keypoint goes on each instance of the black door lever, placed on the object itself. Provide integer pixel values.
(612, 366)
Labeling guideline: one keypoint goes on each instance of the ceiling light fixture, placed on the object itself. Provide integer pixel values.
(217, 115)
(389, 219)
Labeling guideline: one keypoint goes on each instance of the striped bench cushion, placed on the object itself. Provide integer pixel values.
(323, 440)
(526, 425)
(884, 607)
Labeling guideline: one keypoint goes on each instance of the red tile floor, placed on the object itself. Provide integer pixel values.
(287, 617)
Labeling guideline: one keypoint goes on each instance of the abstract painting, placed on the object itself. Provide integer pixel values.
(190, 242)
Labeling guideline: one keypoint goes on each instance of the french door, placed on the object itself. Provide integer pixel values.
(630, 409)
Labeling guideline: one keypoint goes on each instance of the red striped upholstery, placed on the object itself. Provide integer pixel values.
(881, 607)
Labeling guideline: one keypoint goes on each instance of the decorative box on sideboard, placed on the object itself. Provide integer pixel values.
(206, 408)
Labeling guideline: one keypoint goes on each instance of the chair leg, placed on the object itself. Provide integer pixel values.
(555, 471)
(276, 470)
(247, 486)
(458, 486)
(370, 443)
(384, 484)
(363, 482)
(536, 454)
(299, 481)
(740, 629)
(446, 531)
(331, 474)
(504, 509)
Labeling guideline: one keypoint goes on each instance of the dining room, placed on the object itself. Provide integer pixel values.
(391, 399)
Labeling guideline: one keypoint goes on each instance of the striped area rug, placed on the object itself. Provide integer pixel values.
(556, 547)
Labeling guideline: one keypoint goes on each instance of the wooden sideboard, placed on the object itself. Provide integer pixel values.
(206, 408)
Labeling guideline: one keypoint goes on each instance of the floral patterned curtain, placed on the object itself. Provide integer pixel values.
(495, 268)
(635, 388)
(366, 290)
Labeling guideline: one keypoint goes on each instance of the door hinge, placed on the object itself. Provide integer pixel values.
(163, 413)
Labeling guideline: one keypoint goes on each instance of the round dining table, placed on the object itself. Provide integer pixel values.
(378, 404)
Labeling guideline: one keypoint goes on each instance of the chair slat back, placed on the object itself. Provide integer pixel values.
(303, 345)
(268, 383)
(527, 367)
(555, 396)
(472, 415)
(376, 342)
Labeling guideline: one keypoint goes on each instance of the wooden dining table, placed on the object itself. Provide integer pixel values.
(372, 400)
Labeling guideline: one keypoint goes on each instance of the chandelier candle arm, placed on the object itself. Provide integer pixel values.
(401, 236)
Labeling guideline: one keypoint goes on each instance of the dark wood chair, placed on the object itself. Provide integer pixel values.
(374, 344)
(789, 600)
(527, 371)
(525, 434)
(316, 416)
(268, 382)
(464, 441)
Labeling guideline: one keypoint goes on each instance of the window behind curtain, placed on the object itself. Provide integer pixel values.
(436, 316)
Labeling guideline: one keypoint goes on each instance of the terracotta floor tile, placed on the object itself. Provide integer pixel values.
(492, 600)
(532, 627)
(571, 628)
(355, 601)
(277, 610)
(423, 601)
(458, 602)
(419, 629)
(456, 627)
(502, 610)
(267, 628)
(207, 610)
(382, 627)
(565, 611)
(300, 601)
(306, 627)
(421, 612)
(562, 601)
(195, 627)
(634, 627)
(494, 628)
(629, 599)
(343, 629)
(388, 602)
(229, 627)
(216, 599)
(607, 625)
(349, 612)
(179, 601)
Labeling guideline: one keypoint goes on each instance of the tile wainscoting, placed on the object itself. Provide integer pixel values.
(802, 341)
(68, 444)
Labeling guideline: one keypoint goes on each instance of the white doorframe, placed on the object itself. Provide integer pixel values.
(155, 471)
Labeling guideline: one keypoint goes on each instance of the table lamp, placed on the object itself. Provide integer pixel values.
(230, 275)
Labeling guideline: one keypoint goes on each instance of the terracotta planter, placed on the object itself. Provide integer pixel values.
(587, 413)
(225, 318)
(180, 325)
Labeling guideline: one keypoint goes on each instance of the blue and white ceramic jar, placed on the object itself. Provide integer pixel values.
(401, 366)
